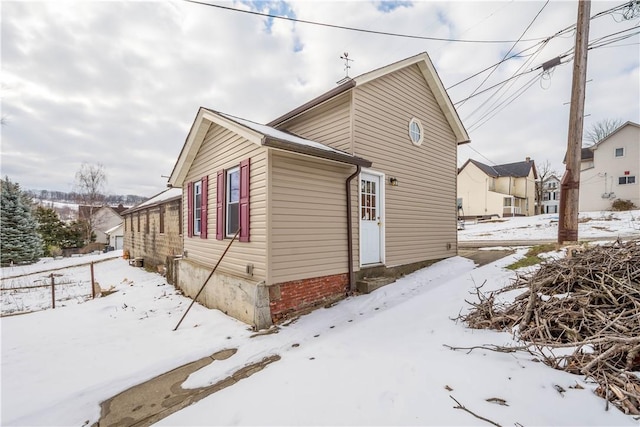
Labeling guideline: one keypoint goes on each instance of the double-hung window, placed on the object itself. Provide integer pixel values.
(197, 207)
(232, 204)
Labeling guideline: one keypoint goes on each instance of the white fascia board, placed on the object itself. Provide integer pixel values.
(198, 131)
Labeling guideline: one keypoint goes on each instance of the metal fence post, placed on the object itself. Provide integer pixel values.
(53, 291)
(93, 286)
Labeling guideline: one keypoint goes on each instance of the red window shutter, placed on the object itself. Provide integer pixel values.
(204, 206)
(244, 200)
(220, 190)
(190, 209)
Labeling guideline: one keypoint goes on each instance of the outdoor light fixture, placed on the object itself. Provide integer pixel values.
(393, 181)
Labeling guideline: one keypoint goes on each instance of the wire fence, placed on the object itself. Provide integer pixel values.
(45, 290)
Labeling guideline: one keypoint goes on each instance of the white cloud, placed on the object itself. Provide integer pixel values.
(120, 83)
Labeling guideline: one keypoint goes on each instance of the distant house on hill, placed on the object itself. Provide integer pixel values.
(550, 195)
(115, 237)
(103, 218)
(153, 229)
(359, 182)
(610, 169)
(500, 190)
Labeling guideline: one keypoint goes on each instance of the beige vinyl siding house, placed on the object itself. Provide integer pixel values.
(613, 171)
(380, 147)
(500, 190)
(307, 218)
(420, 212)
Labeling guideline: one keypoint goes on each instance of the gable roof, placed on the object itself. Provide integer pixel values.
(262, 135)
(165, 196)
(85, 211)
(629, 123)
(113, 229)
(517, 169)
(586, 153)
(428, 72)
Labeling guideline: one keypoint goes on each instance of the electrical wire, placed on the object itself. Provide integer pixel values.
(515, 55)
(559, 33)
(362, 30)
(480, 154)
(492, 113)
(509, 51)
(506, 87)
(603, 41)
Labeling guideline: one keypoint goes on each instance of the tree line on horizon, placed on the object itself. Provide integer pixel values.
(30, 229)
(75, 197)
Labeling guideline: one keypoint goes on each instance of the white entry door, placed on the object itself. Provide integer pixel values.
(370, 219)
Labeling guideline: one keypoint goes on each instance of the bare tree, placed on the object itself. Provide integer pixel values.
(600, 130)
(545, 171)
(89, 186)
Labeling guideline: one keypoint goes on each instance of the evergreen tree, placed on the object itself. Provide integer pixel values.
(19, 239)
(51, 229)
(73, 236)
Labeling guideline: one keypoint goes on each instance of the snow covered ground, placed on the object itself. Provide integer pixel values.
(377, 359)
(603, 224)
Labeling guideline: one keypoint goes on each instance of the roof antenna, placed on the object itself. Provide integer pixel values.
(346, 78)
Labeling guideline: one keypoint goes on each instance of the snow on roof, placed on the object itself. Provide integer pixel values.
(160, 197)
(280, 135)
(112, 229)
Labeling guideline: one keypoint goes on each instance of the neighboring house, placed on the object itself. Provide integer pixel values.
(551, 195)
(360, 181)
(115, 237)
(103, 218)
(613, 170)
(153, 229)
(500, 190)
(586, 158)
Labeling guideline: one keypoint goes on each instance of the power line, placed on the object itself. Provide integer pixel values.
(498, 84)
(557, 34)
(508, 52)
(480, 154)
(515, 55)
(492, 113)
(564, 55)
(525, 64)
(362, 30)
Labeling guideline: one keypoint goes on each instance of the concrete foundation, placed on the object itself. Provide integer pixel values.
(238, 297)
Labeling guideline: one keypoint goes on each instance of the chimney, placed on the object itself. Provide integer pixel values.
(527, 159)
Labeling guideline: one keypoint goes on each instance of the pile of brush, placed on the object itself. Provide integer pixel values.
(588, 302)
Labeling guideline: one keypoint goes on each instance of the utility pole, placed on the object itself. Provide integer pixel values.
(570, 185)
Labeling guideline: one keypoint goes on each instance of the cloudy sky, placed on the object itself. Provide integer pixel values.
(120, 83)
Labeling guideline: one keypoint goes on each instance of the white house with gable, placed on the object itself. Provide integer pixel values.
(614, 171)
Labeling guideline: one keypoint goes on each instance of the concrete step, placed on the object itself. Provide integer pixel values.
(370, 284)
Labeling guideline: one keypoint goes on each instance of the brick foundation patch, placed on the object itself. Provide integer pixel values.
(299, 296)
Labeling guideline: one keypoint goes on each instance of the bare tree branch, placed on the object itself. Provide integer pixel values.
(90, 182)
(464, 408)
(600, 130)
